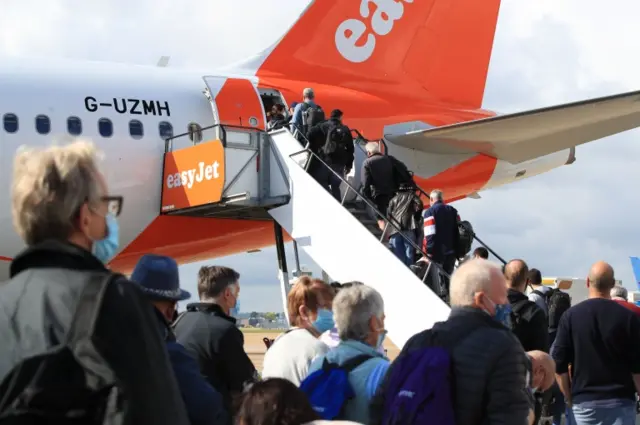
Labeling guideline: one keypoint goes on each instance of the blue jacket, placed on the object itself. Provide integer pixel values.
(204, 404)
(365, 379)
(441, 230)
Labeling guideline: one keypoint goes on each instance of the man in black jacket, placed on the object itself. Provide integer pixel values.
(64, 212)
(492, 373)
(209, 333)
(334, 143)
(529, 321)
(378, 178)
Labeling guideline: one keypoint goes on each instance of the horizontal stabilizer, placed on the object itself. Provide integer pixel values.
(523, 136)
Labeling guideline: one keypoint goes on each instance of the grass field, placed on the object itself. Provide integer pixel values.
(255, 348)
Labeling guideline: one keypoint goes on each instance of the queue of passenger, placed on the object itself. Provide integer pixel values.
(81, 344)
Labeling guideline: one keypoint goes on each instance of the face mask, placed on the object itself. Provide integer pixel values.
(324, 321)
(503, 313)
(381, 338)
(233, 311)
(105, 249)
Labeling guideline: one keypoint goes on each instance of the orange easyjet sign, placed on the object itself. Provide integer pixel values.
(193, 176)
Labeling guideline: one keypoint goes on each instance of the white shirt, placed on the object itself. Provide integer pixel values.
(291, 354)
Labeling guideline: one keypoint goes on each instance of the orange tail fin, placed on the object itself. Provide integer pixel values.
(444, 46)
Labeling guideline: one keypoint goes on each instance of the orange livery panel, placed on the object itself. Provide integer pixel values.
(193, 176)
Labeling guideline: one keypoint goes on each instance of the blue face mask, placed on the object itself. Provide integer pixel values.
(324, 322)
(381, 339)
(106, 249)
(233, 311)
(503, 314)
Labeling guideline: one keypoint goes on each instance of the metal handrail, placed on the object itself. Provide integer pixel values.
(223, 127)
(386, 219)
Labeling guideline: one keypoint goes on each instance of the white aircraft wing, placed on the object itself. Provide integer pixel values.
(528, 135)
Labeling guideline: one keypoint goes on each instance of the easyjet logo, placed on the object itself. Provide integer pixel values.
(349, 32)
(188, 178)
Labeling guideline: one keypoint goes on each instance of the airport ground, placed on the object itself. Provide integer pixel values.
(255, 348)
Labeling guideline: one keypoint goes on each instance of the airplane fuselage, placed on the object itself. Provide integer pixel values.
(128, 111)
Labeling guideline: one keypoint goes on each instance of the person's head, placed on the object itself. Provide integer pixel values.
(359, 314)
(543, 369)
(309, 304)
(534, 278)
(480, 284)
(159, 279)
(600, 280)
(308, 94)
(372, 148)
(279, 108)
(292, 107)
(336, 114)
(619, 293)
(58, 193)
(515, 273)
(481, 252)
(338, 286)
(435, 196)
(275, 401)
(219, 285)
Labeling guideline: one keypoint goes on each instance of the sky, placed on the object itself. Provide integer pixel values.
(546, 52)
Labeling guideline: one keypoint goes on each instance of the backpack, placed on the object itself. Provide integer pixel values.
(336, 139)
(419, 385)
(401, 174)
(557, 303)
(465, 229)
(70, 383)
(521, 314)
(311, 115)
(328, 388)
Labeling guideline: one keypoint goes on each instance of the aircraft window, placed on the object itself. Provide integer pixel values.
(135, 129)
(166, 130)
(10, 122)
(195, 132)
(105, 127)
(43, 124)
(74, 126)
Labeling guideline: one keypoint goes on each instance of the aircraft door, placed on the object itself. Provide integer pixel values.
(235, 102)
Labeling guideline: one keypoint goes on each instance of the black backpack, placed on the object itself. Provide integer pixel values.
(522, 313)
(557, 303)
(70, 383)
(401, 174)
(337, 137)
(311, 116)
(465, 229)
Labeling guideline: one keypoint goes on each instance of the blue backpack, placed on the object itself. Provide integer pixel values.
(419, 385)
(328, 388)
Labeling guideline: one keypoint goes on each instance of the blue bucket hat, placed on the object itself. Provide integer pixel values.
(158, 277)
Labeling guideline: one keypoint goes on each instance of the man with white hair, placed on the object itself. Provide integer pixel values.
(359, 315)
(441, 232)
(64, 314)
(378, 178)
(491, 372)
(620, 295)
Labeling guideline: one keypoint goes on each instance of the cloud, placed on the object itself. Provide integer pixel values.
(546, 52)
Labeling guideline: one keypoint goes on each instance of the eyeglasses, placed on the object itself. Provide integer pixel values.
(114, 204)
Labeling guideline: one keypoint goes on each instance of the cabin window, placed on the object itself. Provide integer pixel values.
(10, 122)
(74, 126)
(166, 130)
(135, 129)
(105, 127)
(195, 132)
(43, 124)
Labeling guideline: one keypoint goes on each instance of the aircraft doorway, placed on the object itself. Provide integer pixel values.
(270, 98)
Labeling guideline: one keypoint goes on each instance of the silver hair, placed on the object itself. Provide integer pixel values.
(308, 93)
(620, 292)
(353, 308)
(436, 195)
(372, 148)
(49, 187)
(471, 277)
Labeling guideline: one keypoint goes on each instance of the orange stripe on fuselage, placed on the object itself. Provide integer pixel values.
(189, 239)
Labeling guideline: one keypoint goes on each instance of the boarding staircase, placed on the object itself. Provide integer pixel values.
(340, 236)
